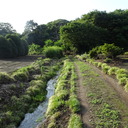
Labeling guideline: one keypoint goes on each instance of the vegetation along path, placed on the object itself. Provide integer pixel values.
(101, 104)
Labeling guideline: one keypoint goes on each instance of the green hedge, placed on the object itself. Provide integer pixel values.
(12, 46)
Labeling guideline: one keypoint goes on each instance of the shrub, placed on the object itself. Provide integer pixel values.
(113, 70)
(105, 69)
(95, 63)
(126, 53)
(103, 65)
(53, 52)
(93, 53)
(110, 50)
(123, 80)
(99, 64)
(5, 78)
(121, 71)
(34, 49)
(119, 76)
(48, 43)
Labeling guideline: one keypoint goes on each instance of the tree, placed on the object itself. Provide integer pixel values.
(116, 23)
(82, 36)
(6, 28)
(45, 32)
(5, 48)
(30, 26)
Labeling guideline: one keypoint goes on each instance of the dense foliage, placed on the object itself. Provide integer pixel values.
(96, 28)
(6, 28)
(35, 49)
(45, 32)
(12, 46)
(53, 52)
(82, 36)
(106, 50)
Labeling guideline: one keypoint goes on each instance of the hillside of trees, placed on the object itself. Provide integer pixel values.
(79, 36)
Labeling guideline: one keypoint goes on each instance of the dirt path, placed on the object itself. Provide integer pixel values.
(113, 83)
(81, 92)
(9, 65)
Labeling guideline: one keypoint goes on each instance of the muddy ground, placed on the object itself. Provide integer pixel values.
(9, 65)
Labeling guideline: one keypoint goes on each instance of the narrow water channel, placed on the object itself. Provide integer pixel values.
(31, 120)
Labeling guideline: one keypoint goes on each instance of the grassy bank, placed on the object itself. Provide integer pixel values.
(64, 106)
(26, 89)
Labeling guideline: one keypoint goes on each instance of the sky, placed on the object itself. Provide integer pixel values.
(18, 12)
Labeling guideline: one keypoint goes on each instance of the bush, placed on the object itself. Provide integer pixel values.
(113, 70)
(99, 64)
(108, 50)
(103, 65)
(53, 52)
(119, 76)
(93, 53)
(123, 80)
(122, 71)
(35, 49)
(105, 69)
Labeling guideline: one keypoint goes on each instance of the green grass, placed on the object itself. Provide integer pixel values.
(31, 95)
(75, 121)
(64, 100)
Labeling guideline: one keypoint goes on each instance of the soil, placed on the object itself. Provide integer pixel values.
(114, 84)
(9, 65)
(9, 90)
(81, 93)
(86, 112)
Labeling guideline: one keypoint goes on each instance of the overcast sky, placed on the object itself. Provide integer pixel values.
(18, 12)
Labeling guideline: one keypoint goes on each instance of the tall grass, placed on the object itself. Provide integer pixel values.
(53, 52)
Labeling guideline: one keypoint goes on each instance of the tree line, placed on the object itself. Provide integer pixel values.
(12, 46)
(95, 29)
(81, 35)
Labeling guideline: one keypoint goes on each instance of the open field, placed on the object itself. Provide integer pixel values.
(84, 95)
(9, 65)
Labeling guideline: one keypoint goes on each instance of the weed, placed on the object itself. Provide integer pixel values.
(75, 121)
(74, 104)
(105, 69)
(113, 70)
(123, 80)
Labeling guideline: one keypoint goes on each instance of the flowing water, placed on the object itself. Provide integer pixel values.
(31, 120)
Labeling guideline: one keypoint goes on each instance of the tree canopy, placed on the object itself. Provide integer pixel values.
(6, 28)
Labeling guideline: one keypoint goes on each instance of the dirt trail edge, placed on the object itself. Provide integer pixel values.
(81, 93)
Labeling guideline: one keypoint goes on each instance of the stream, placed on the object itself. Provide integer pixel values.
(31, 120)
